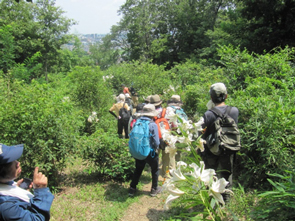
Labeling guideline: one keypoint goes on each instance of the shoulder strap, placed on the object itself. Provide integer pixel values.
(163, 113)
(218, 112)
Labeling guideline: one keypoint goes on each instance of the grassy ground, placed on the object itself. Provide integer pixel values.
(83, 197)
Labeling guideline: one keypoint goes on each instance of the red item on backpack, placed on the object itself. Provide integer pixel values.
(162, 121)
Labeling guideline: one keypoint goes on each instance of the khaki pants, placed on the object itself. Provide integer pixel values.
(135, 100)
(168, 162)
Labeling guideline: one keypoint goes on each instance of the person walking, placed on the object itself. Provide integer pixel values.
(152, 159)
(223, 161)
(122, 123)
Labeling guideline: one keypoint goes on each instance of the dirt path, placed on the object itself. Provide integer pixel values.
(148, 208)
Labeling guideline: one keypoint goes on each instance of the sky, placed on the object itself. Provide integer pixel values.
(93, 16)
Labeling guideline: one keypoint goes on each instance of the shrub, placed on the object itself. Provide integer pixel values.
(277, 204)
(109, 154)
(37, 116)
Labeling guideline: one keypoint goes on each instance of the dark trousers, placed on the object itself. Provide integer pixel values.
(222, 164)
(139, 166)
(122, 124)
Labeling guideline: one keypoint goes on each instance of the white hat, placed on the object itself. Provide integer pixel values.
(175, 101)
(149, 110)
(121, 97)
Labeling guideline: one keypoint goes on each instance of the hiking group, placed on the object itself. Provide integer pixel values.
(143, 128)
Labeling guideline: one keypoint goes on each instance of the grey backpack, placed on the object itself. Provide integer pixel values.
(225, 133)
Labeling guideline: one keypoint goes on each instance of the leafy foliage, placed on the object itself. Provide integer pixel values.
(277, 204)
(36, 116)
(109, 154)
(265, 97)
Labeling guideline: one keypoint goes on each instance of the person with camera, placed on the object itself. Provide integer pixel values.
(16, 201)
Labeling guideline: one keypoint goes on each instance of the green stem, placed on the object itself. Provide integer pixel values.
(206, 207)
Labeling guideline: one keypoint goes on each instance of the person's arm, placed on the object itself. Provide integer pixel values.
(155, 140)
(39, 207)
(112, 113)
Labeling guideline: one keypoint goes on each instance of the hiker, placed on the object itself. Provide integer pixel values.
(222, 162)
(129, 102)
(152, 158)
(174, 106)
(134, 96)
(162, 121)
(17, 203)
(134, 117)
(147, 99)
(125, 89)
(122, 122)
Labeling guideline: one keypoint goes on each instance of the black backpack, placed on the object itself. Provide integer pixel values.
(124, 113)
(225, 133)
(132, 91)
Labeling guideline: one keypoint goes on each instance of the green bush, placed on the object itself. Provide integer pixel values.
(277, 204)
(37, 116)
(145, 77)
(265, 98)
(109, 154)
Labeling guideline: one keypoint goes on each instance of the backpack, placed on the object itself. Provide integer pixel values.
(124, 113)
(132, 91)
(225, 133)
(139, 140)
(180, 113)
(162, 122)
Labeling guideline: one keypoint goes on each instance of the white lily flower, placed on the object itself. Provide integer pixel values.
(200, 144)
(171, 150)
(187, 140)
(197, 127)
(186, 125)
(181, 163)
(173, 118)
(176, 173)
(168, 201)
(217, 188)
(174, 191)
(205, 175)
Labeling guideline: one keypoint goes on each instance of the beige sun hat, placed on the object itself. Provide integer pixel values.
(148, 99)
(121, 97)
(149, 110)
(155, 100)
(175, 101)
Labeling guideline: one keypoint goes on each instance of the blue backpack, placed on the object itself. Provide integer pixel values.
(180, 113)
(139, 140)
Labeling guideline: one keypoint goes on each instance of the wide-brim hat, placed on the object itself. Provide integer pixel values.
(148, 99)
(175, 101)
(155, 100)
(121, 97)
(9, 154)
(149, 110)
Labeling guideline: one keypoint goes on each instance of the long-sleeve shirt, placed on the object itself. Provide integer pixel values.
(14, 208)
(154, 139)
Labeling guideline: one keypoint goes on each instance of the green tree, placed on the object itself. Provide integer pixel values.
(38, 27)
(53, 29)
(168, 31)
(7, 49)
